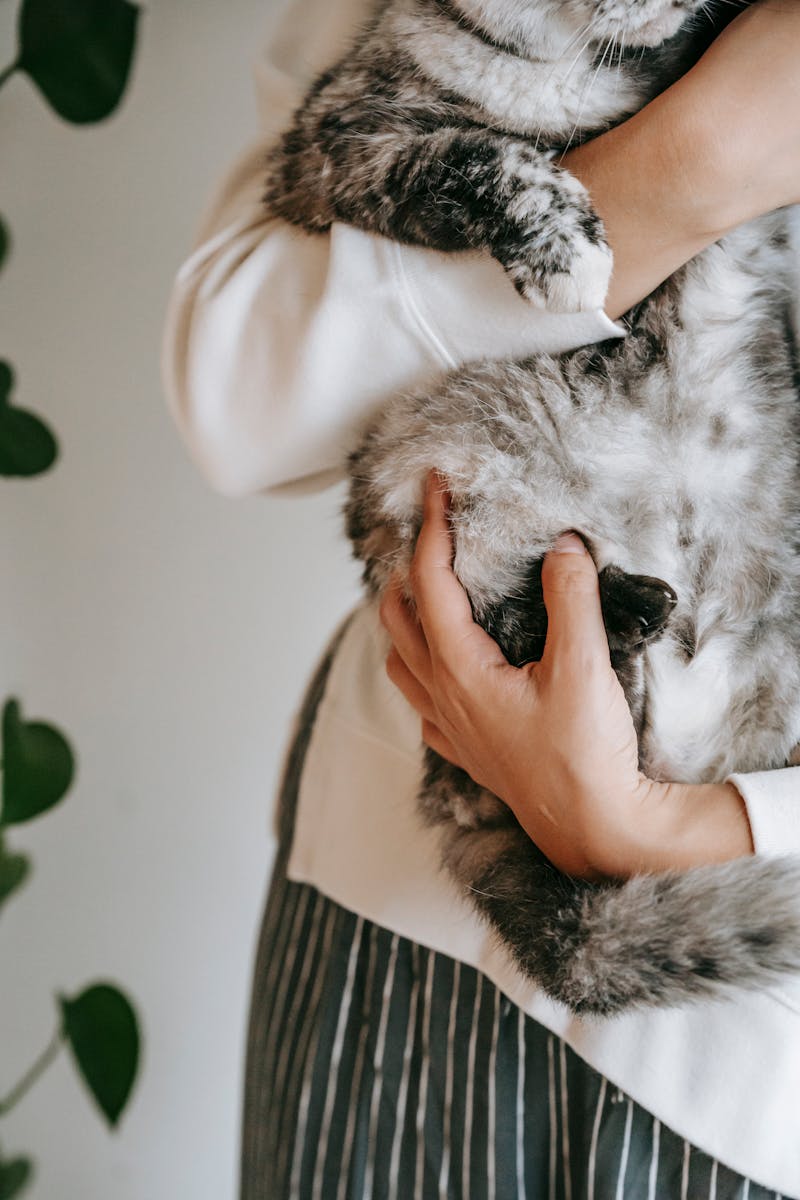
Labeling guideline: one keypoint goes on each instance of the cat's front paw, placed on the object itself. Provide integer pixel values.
(579, 285)
(550, 240)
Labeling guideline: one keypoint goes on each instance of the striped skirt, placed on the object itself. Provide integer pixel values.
(378, 1069)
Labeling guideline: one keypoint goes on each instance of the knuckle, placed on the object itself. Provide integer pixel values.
(579, 576)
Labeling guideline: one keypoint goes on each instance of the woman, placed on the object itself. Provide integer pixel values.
(393, 1050)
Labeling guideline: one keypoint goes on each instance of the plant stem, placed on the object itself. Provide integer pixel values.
(32, 1074)
(8, 71)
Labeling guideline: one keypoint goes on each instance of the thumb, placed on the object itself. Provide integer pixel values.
(572, 599)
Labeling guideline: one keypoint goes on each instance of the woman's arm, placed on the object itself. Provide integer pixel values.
(279, 344)
(719, 147)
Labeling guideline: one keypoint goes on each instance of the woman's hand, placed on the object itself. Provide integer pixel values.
(554, 739)
(719, 147)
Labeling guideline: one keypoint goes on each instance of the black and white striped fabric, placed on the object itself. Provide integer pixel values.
(380, 1070)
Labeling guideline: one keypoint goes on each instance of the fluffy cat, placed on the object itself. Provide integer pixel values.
(673, 451)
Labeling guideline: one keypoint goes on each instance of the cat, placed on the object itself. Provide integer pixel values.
(674, 452)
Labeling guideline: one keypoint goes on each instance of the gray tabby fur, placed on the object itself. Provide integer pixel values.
(674, 452)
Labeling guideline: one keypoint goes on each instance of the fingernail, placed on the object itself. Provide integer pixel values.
(568, 543)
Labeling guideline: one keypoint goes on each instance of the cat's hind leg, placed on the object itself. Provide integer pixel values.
(636, 611)
(601, 948)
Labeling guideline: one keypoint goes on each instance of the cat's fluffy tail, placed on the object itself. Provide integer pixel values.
(654, 940)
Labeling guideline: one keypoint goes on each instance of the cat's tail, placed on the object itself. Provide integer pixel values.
(654, 940)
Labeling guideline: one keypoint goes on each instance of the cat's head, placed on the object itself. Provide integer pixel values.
(636, 22)
(618, 23)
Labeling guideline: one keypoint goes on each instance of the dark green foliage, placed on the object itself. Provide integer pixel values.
(15, 1174)
(14, 870)
(78, 53)
(38, 767)
(102, 1030)
(27, 447)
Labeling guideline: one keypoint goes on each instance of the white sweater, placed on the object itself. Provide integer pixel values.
(278, 347)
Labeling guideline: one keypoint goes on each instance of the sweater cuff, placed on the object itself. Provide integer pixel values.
(772, 800)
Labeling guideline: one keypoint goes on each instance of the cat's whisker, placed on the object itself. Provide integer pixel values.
(477, 892)
(587, 32)
(582, 101)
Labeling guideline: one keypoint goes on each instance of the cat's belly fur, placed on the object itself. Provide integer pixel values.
(675, 454)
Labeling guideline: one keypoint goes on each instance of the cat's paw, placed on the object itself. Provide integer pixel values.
(636, 609)
(550, 240)
(579, 287)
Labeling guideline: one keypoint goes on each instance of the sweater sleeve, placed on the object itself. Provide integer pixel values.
(280, 344)
(772, 800)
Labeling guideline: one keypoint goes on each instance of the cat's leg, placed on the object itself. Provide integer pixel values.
(451, 188)
(603, 948)
(636, 611)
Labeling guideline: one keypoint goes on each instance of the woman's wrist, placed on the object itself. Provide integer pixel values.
(653, 229)
(682, 826)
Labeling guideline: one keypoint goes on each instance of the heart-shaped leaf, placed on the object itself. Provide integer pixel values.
(101, 1027)
(14, 870)
(38, 766)
(14, 1176)
(27, 447)
(78, 53)
(5, 241)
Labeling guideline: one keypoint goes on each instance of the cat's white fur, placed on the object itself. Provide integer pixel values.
(527, 96)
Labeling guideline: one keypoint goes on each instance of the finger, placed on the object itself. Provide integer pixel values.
(572, 598)
(406, 633)
(409, 685)
(442, 604)
(433, 737)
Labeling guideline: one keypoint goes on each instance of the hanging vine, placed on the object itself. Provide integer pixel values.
(78, 54)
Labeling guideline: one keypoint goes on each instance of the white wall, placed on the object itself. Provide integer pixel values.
(167, 630)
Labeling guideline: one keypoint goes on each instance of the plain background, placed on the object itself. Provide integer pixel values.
(166, 630)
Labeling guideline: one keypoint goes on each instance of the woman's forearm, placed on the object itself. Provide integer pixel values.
(641, 180)
(721, 146)
(684, 826)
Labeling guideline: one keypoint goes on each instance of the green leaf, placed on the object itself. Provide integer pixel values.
(14, 1176)
(101, 1027)
(79, 53)
(14, 870)
(38, 767)
(5, 241)
(27, 447)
